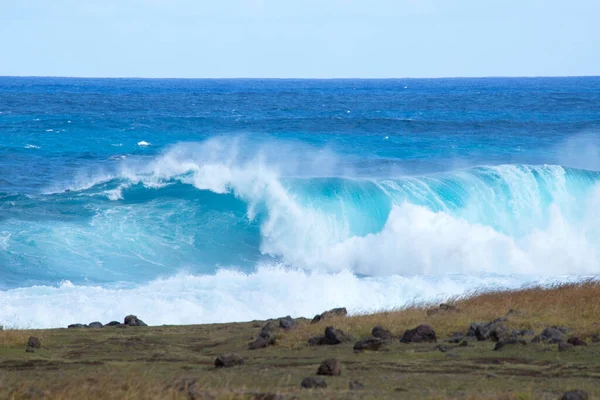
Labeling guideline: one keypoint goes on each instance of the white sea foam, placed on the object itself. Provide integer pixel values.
(232, 296)
(143, 143)
(415, 240)
(550, 239)
(4, 238)
(31, 146)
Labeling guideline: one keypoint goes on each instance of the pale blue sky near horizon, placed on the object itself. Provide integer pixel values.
(299, 39)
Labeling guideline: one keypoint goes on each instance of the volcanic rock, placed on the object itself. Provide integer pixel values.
(335, 336)
(228, 360)
(575, 395)
(132, 320)
(313, 382)
(330, 367)
(336, 312)
(421, 334)
(368, 343)
(382, 333)
(34, 342)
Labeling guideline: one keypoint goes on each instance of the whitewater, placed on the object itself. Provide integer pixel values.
(205, 201)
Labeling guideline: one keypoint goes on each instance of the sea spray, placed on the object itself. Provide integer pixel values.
(249, 187)
(231, 295)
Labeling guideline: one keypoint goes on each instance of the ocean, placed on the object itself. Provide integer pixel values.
(198, 201)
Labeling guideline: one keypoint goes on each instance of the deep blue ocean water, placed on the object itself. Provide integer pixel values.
(190, 201)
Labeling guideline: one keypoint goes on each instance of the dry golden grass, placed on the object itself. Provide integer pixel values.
(16, 338)
(573, 305)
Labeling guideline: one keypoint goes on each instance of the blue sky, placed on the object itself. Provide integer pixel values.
(301, 38)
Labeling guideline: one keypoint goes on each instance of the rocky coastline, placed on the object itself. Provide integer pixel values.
(332, 355)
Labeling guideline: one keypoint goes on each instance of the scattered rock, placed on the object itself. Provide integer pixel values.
(132, 320)
(563, 346)
(34, 342)
(95, 325)
(113, 323)
(491, 376)
(553, 334)
(522, 332)
(576, 341)
(464, 343)
(269, 332)
(76, 326)
(317, 341)
(330, 367)
(259, 343)
(421, 334)
(508, 342)
(472, 329)
(495, 331)
(287, 323)
(368, 343)
(313, 382)
(336, 312)
(30, 349)
(229, 360)
(482, 330)
(356, 385)
(456, 337)
(381, 333)
(575, 395)
(563, 329)
(336, 336)
(441, 347)
(452, 355)
(595, 338)
(498, 332)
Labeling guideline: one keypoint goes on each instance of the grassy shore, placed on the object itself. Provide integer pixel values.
(147, 362)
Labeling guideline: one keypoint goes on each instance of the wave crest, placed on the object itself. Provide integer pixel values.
(197, 204)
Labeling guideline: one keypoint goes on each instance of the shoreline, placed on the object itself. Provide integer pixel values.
(192, 300)
(531, 343)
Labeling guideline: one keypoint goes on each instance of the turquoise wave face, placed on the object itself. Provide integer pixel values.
(168, 214)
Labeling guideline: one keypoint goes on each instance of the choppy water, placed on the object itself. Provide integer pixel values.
(190, 201)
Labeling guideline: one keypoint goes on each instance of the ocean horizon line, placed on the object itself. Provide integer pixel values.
(241, 78)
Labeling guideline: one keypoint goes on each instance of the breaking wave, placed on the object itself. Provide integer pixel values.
(207, 228)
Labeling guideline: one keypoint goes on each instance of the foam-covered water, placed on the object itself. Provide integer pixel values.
(210, 201)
